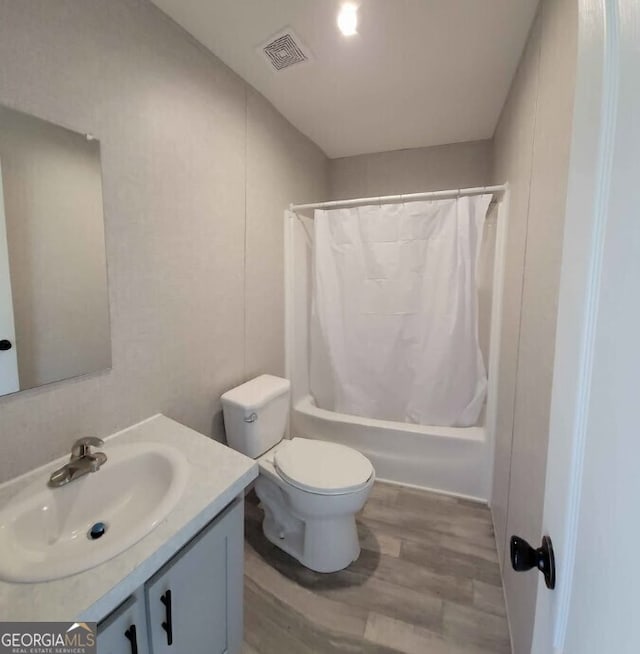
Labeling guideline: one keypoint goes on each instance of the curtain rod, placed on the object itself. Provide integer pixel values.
(431, 195)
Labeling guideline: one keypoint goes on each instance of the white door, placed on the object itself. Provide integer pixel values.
(8, 354)
(592, 498)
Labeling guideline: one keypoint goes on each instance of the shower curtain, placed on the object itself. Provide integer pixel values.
(394, 324)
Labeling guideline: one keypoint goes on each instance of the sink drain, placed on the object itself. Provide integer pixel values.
(97, 531)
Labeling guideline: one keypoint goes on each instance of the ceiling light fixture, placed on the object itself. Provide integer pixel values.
(348, 18)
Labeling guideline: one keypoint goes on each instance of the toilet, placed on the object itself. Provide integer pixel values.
(310, 490)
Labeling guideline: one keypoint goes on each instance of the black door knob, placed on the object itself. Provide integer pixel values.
(524, 557)
(5, 345)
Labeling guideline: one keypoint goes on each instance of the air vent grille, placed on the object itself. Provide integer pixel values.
(284, 50)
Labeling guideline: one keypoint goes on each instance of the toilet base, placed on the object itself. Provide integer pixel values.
(321, 543)
(315, 548)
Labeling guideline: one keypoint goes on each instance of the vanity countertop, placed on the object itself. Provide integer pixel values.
(217, 474)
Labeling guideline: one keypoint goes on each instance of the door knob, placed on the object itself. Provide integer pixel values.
(524, 557)
(5, 345)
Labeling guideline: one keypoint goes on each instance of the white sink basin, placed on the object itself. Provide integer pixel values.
(44, 531)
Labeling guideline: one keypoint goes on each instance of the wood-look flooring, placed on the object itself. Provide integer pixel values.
(427, 582)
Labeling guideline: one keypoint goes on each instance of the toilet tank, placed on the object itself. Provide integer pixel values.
(255, 414)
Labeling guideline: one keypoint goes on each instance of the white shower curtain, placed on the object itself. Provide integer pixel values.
(394, 326)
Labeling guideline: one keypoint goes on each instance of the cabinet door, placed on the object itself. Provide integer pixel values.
(195, 601)
(125, 630)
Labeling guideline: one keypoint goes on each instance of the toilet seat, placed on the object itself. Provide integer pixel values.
(321, 467)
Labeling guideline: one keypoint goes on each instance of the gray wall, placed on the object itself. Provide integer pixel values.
(458, 165)
(532, 146)
(55, 232)
(197, 169)
(282, 167)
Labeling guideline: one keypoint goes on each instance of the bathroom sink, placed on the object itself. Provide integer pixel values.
(48, 533)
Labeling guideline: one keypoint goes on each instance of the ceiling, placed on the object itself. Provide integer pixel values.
(418, 73)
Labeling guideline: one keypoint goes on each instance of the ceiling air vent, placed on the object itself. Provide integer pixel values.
(284, 49)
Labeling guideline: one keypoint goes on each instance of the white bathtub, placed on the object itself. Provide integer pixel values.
(444, 459)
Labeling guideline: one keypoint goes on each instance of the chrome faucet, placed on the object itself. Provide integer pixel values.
(82, 461)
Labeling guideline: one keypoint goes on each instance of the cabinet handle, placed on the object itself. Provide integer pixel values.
(131, 636)
(167, 625)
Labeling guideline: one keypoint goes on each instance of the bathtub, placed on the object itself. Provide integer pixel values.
(457, 461)
(444, 459)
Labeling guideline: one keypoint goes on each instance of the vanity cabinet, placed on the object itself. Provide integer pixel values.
(125, 630)
(193, 604)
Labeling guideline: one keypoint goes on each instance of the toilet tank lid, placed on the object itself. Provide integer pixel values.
(256, 392)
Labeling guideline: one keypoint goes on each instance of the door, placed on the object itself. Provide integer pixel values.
(8, 354)
(592, 497)
(195, 601)
(125, 630)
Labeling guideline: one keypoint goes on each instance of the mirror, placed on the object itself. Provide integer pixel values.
(54, 307)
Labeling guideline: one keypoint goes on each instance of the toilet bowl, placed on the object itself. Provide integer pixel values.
(310, 490)
(310, 506)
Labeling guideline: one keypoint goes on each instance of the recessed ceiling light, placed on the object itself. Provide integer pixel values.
(348, 19)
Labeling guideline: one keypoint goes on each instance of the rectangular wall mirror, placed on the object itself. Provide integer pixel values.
(54, 305)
